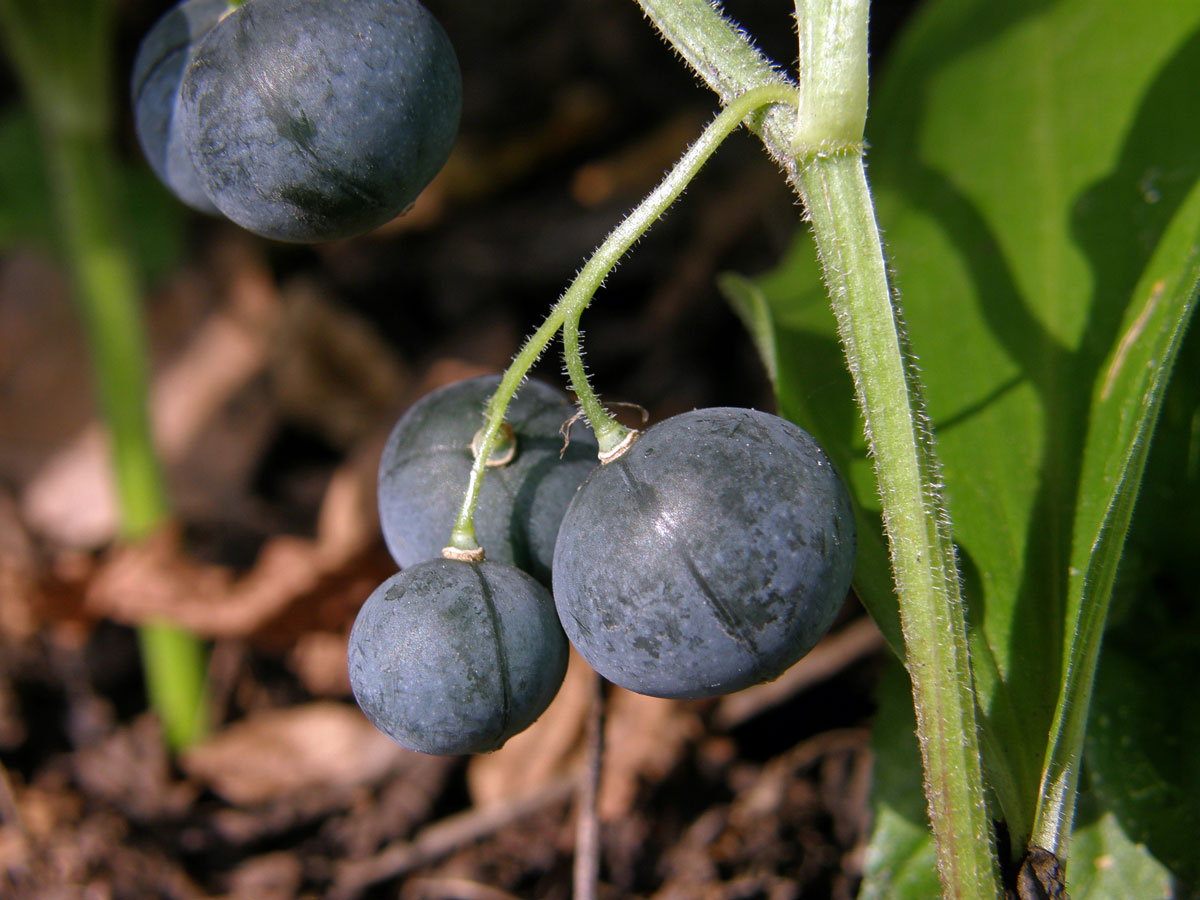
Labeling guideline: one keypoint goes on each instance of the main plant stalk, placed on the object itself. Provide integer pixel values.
(821, 151)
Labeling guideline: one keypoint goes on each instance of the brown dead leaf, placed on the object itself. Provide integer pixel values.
(229, 349)
(43, 356)
(155, 579)
(278, 754)
(645, 739)
(635, 169)
(14, 854)
(71, 498)
(287, 592)
(296, 584)
(479, 167)
(444, 837)
(689, 865)
(540, 753)
(271, 876)
(456, 888)
(403, 803)
(330, 369)
(348, 520)
(319, 661)
(17, 574)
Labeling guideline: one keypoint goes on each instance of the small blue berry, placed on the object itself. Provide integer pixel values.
(452, 657)
(710, 557)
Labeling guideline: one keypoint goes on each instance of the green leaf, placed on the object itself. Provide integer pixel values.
(900, 863)
(1126, 395)
(1145, 721)
(1141, 750)
(25, 206)
(1036, 171)
(1161, 551)
(1141, 740)
(1107, 862)
(62, 51)
(1124, 410)
(750, 304)
(1107, 865)
(154, 217)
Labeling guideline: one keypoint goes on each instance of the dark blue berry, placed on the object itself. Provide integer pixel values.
(452, 657)
(428, 456)
(158, 69)
(311, 120)
(710, 557)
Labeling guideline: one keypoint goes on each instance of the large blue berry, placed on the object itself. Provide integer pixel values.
(428, 457)
(158, 69)
(711, 556)
(309, 120)
(452, 657)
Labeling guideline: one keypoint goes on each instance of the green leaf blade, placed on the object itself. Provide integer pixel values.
(1128, 396)
(1034, 165)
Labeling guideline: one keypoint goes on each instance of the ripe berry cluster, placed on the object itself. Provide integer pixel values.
(710, 556)
(300, 120)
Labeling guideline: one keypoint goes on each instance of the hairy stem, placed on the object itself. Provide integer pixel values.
(729, 64)
(821, 153)
(833, 184)
(566, 312)
(923, 563)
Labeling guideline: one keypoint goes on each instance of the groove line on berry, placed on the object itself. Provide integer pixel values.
(647, 499)
(502, 667)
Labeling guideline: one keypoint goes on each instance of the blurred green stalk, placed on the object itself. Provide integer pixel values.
(61, 51)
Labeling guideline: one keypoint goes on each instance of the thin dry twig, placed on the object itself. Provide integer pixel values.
(587, 827)
(443, 838)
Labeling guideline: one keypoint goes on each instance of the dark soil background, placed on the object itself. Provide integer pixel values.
(278, 372)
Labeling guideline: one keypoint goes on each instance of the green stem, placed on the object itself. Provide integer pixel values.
(566, 312)
(597, 416)
(822, 156)
(833, 186)
(923, 563)
(82, 171)
(62, 55)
